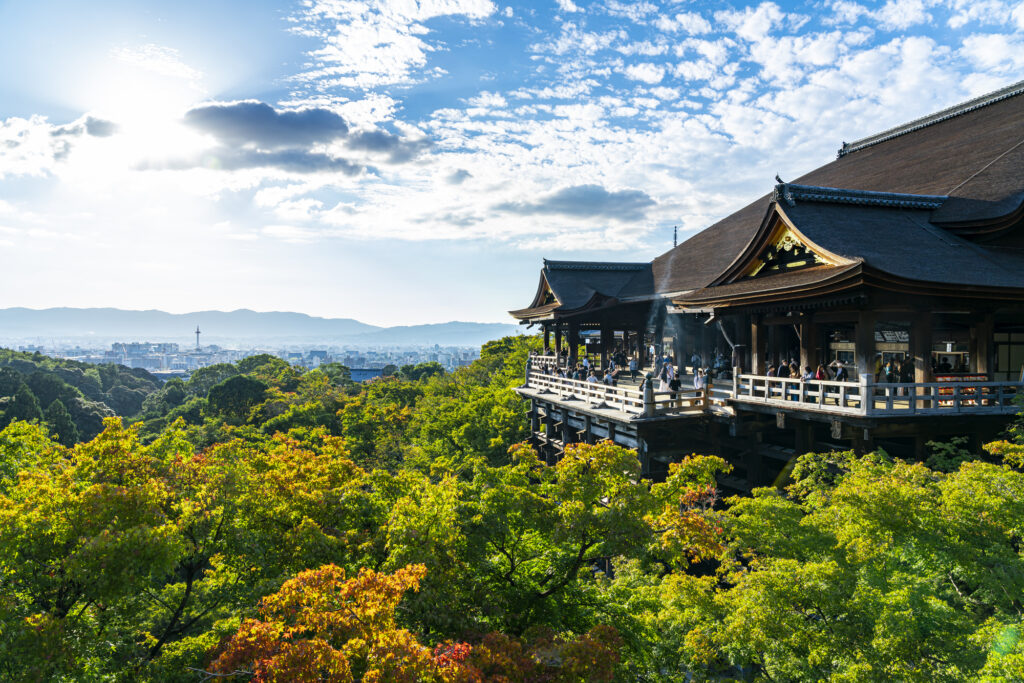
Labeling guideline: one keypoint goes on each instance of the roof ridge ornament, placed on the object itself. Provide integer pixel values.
(782, 193)
(939, 116)
(790, 193)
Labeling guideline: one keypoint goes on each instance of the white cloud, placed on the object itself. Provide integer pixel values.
(752, 23)
(902, 14)
(645, 72)
(375, 43)
(845, 12)
(635, 11)
(158, 59)
(996, 52)
(685, 22)
(567, 6)
(488, 100)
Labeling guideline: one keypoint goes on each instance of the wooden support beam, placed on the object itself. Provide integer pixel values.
(921, 346)
(864, 353)
(574, 342)
(607, 335)
(558, 339)
(757, 342)
(641, 347)
(547, 338)
(804, 436)
(808, 343)
(982, 333)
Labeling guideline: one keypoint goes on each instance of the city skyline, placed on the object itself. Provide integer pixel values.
(404, 163)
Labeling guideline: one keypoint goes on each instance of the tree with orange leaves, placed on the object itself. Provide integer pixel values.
(320, 626)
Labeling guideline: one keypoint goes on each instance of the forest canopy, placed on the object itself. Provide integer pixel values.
(262, 522)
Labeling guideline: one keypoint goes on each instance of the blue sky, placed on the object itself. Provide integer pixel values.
(405, 162)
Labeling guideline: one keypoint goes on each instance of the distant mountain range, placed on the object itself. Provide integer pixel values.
(241, 326)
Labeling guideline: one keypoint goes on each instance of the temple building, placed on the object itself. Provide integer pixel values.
(901, 262)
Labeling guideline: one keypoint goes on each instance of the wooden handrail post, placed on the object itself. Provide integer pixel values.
(736, 381)
(867, 399)
(529, 362)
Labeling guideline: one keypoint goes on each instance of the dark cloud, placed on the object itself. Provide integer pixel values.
(259, 124)
(291, 160)
(586, 201)
(397, 148)
(459, 177)
(100, 128)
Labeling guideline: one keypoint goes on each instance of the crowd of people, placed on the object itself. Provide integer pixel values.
(665, 375)
(834, 371)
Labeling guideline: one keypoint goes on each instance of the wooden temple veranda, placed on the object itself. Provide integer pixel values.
(908, 247)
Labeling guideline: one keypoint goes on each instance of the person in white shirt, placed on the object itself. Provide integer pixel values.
(700, 380)
(592, 377)
(632, 368)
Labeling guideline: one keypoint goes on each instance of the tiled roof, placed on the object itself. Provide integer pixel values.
(972, 153)
(937, 117)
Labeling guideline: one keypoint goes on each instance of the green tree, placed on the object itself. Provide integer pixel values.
(24, 406)
(235, 397)
(59, 420)
(202, 380)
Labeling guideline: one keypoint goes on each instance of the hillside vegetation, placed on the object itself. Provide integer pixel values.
(260, 522)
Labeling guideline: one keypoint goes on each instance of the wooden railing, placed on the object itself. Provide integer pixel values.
(795, 394)
(945, 398)
(878, 400)
(863, 397)
(645, 403)
(549, 359)
(593, 393)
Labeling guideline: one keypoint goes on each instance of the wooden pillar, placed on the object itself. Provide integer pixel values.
(982, 333)
(566, 430)
(864, 353)
(547, 338)
(772, 356)
(741, 353)
(549, 435)
(607, 334)
(644, 456)
(803, 432)
(757, 341)
(574, 342)
(921, 346)
(808, 343)
(757, 473)
(558, 339)
(861, 441)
